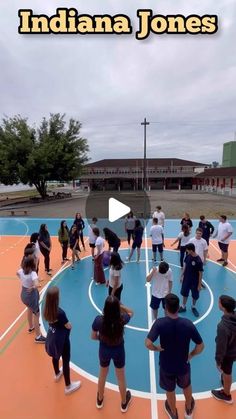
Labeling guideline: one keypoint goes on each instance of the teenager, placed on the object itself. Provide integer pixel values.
(201, 246)
(45, 245)
(207, 228)
(183, 237)
(34, 238)
(157, 235)
(99, 276)
(175, 335)
(191, 278)
(109, 330)
(186, 220)
(159, 214)
(224, 233)
(112, 239)
(114, 282)
(80, 224)
(74, 245)
(91, 235)
(129, 226)
(58, 339)
(30, 296)
(162, 281)
(138, 238)
(225, 354)
(63, 238)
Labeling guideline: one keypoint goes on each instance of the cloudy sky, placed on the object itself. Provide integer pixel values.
(184, 85)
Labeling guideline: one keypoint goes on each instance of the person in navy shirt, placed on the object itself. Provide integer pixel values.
(207, 228)
(138, 238)
(191, 278)
(175, 335)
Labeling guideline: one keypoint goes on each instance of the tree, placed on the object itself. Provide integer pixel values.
(32, 156)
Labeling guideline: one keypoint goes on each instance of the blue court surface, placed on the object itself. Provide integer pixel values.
(82, 300)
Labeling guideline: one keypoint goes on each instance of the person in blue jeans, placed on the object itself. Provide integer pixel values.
(109, 330)
(175, 335)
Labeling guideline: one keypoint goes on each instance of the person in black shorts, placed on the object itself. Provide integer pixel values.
(175, 334)
(191, 278)
(226, 347)
(138, 238)
(74, 245)
(109, 330)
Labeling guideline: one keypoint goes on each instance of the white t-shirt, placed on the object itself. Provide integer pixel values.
(160, 283)
(99, 243)
(183, 239)
(92, 237)
(156, 233)
(29, 280)
(200, 246)
(37, 250)
(114, 273)
(160, 216)
(222, 231)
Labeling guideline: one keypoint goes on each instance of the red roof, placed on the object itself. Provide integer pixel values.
(218, 171)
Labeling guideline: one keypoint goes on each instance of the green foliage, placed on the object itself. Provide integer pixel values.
(32, 156)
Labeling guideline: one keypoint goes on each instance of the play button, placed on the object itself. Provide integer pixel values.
(117, 210)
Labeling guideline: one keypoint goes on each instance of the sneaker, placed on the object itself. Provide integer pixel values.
(195, 312)
(225, 263)
(40, 339)
(124, 406)
(66, 259)
(75, 385)
(182, 309)
(169, 412)
(99, 403)
(49, 273)
(189, 412)
(220, 260)
(31, 329)
(220, 395)
(58, 376)
(62, 262)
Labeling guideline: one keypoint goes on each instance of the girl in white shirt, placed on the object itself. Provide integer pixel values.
(183, 238)
(99, 276)
(115, 282)
(30, 295)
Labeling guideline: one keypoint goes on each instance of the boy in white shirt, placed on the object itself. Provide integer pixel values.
(157, 235)
(201, 246)
(159, 214)
(224, 233)
(162, 278)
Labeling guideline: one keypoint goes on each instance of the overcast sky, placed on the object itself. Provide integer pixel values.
(184, 85)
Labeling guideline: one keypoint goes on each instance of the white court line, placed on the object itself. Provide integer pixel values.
(152, 370)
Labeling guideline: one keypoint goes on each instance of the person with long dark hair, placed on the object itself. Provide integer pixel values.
(58, 339)
(183, 237)
(45, 246)
(30, 295)
(99, 276)
(129, 226)
(112, 239)
(74, 244)
(114, 282)
(109, 330)
(34, 238)
(80, 224)
(138, 238)
(63, 237)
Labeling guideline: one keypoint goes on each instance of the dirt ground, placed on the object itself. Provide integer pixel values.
(174, 204)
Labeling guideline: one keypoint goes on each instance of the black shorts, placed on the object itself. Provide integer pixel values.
(227, 365)
(157, 246)
(155, 302)
(187, 287)
(92, 245)
(223, 247)
(116, 354)
(168, 381)
(136, 244)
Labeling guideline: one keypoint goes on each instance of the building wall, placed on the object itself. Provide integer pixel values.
(220, 185)
(229, 154)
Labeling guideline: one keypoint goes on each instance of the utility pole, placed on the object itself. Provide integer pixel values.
(145, 123)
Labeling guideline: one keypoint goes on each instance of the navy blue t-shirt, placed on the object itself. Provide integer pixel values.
(58, 335)
(193, 265)
(138, 234)
(175, 337)
(97, 327)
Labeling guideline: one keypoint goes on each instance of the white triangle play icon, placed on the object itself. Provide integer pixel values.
(116, 209)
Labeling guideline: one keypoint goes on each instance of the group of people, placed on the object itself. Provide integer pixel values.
(175, 333)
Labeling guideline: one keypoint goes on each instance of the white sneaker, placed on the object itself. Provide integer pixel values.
(75, 385)
(58, 376)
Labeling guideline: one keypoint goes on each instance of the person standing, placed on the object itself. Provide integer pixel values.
(34, 239)
(157, 235)
(129, 226)
(109, 330)
(175, 334)
(114, 282)
(63, 238)
(58, 339)
(92, 237)
(162, 281)
(80, 224)
(201, 247)
(225, 354)
(30, 296)
(206, 227)
(187, 220)
(45, 245)
(191, 278)
(159, 214)
(183, 237)
(224, 233)
(99, 276)
(74, 245)
(138, 239)
(112, 239)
